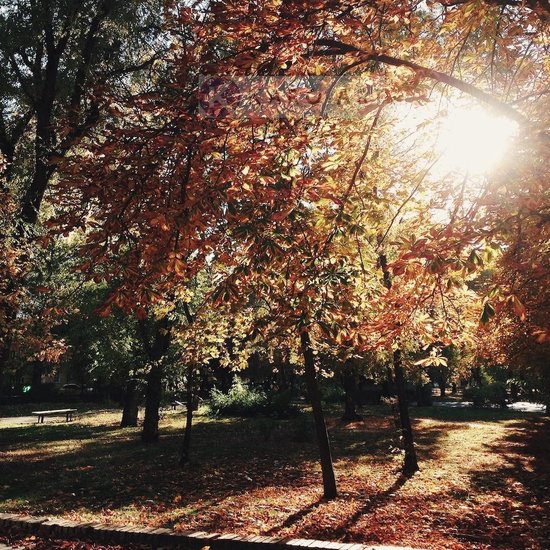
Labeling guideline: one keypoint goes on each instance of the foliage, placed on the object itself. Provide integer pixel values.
(57, 57)
(104, 351)
(331, 391)
(28, 313)
(241, 400)
(300, 213)
(261, 210)
(518, 336)
(490, 394)
(86, 46)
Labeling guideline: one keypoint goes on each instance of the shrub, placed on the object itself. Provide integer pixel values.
(487, 395)
(331, 391)
(239, 401)
(279, 405)
(242, 400)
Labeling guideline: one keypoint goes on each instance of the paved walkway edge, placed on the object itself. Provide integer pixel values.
(192, 540)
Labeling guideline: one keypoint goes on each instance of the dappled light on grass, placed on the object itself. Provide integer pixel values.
(38, 451)
(481, 481)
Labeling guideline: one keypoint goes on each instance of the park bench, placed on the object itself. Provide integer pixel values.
(176, 404)
(41, 414)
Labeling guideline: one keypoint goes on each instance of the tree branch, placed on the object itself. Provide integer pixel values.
(86, 55)
(334, 47)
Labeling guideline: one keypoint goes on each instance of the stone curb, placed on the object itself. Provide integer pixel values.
(163, 538)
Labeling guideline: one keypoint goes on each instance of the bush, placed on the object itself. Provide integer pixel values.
(239, 401)
(424, 395)
(331, 391)
(487, 395)
(242, 400)
(279, 405)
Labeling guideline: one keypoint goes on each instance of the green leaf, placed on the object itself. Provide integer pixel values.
(487, 313)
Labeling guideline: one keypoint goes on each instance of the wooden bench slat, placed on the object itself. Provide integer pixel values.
(63, 411)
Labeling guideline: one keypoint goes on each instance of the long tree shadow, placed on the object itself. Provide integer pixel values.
(296, 517)
(377, 500)
(83, 468)
(340, 531)
(46, 433)
(62, 468)
(522, 484)
(68, 466)
(378, 436)
(470, 414)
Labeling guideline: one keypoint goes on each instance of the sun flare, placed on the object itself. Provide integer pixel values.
(473, 140)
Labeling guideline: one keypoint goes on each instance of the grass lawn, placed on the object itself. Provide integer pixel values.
(484, 479)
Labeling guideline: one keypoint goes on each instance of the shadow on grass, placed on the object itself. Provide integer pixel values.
(523, 486)
(378, 438)
(58, 468)
(378, 499)
(64, 467)
(427, 440)
(469, 414)
(32, 434)
(296, 517)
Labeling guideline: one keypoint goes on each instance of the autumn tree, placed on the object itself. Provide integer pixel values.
(249, 171)
(515, 329)
(57, 58)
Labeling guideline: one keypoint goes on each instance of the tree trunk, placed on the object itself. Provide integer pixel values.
(43, 145)
(350, 386)
(186, 444)
(329, 479)
(4, 354)
(443, 382)
(410, 464)
(130, 411)
(153, 393)
(36, 380)
(9, 314)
